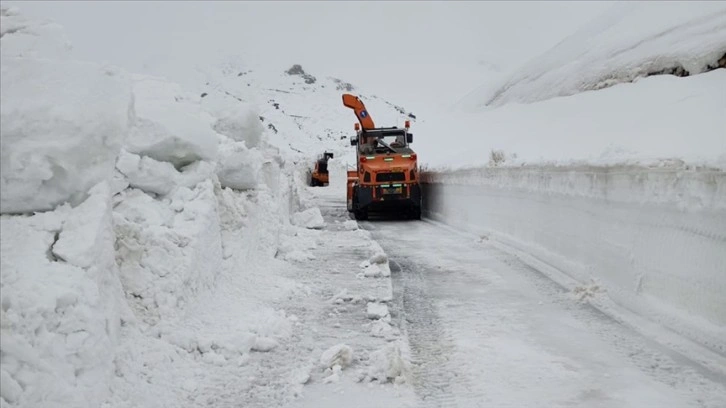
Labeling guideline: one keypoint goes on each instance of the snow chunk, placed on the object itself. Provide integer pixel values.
(239, 167)
(241, 124)
(62, 125)
(376, 310)
(340, 355)
(162, 178)
(377, 266)
(168, 126)
(379, 258)
(310, 218)
(334, 376)
(350, 225)
(388, 364)
(10, 390)
(381, 328)
(264, 344)
(84, 228)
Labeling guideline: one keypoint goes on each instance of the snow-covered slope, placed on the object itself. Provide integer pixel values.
(302, 111)
(654, 121)
(628, 41)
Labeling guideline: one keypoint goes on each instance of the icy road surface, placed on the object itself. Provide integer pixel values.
(484, 329)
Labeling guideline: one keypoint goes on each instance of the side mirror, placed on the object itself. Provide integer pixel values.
(353, 141)
(409, 137)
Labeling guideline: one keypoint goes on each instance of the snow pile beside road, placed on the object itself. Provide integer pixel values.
(168, 250)
(62, 304)
(140, 236)
(630, 40)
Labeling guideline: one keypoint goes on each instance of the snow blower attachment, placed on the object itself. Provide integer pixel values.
(386, 174)
(319, 176)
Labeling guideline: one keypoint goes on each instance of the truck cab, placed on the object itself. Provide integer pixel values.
(386, 176)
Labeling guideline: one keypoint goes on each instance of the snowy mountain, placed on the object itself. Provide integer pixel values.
(629, 41)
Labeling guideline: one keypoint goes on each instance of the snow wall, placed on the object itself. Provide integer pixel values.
(653, 238)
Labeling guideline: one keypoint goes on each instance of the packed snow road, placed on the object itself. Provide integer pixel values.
(485, 329)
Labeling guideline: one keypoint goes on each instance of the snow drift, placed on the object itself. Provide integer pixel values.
(631, 40)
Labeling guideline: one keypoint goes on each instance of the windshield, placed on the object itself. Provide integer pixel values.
(382, 143)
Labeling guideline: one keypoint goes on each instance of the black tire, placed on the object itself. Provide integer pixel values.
(361, 215)
(416, 213)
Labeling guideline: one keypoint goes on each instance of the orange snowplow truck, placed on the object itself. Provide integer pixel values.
(386, 174)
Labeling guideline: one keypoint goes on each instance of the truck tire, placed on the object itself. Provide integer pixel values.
(361, 215)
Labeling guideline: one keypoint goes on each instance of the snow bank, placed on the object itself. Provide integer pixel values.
(62, 304)
(62, 125)
(169, 125)
(630, 40)
(652, 238)
(168, 250)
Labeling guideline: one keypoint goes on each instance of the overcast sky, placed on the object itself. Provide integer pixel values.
(364, 42)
